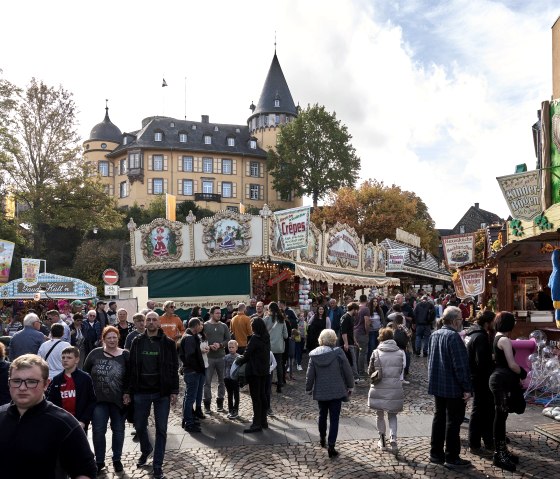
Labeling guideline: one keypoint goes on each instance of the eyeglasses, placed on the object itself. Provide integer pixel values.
(171, 307)
(29, 383)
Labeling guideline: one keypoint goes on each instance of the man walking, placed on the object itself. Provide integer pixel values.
(56, 319)
(424, 317)
(51, 350)
(347, 338)
(334, 313)
(29, 339)
(361, 333)
(154, 379)
(218, 335)
(139, 321)
(449, 381)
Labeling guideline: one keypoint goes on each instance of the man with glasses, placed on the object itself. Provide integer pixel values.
(92, 332)
(154, 379)
(171, 323)
(44, 441)
(29, 339)
(139, 321)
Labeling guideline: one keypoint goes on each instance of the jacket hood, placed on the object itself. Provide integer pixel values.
(388, 346)
(323, 356)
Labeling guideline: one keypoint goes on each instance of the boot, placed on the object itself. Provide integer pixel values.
(197, 413)
(332, 451)
(501, 458)
(381, 443)
(323, 440)
(512, 457)
(207, 409)
(394, 447)
(220, 404)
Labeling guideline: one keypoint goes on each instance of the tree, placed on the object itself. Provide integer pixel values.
(375, 211)
(313, 156)
(40, 151)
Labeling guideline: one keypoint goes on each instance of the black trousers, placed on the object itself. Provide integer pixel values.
(446, 425)
(232, 388)
(482, 417)
(257, 389)
(500, 385)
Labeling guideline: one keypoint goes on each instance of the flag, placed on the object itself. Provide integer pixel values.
(170, 207)
(163, 83)
(241, 208)
(30, 271)
(6, 254)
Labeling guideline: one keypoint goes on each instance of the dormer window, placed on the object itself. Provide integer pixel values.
(253, 144)
(237, 130)
(193, 127)
(231, 141)
(125, 140)
(216, 128)
(172, 124)
(207, 139)
(277, 103)
(182, 137)
(158, 136)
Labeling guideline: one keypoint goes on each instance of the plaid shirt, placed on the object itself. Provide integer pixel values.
(448, 364)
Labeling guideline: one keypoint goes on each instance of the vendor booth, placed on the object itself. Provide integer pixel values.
(232, 257)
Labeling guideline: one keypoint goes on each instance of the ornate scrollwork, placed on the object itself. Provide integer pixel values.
(226, 234)
(343, 247)
(368, 257)
(311, 253)
(275, 242)
(162, 241)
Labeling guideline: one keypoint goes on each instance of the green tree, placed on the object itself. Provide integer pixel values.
(40, 150)
(313, 156)
(375, 211)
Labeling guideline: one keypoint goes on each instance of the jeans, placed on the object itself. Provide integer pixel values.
(482, 416)
(332, 409)
(407, 367)
(101, 414)
(362, 340)
(232, 388)
(382, 427)
(446, 425)
(279, 369)
(215, 364)
(194, 383)
(142, 405)
(372, 343)
(268, 389)
(257, 389)
(353, 359)
(423, 332)
(299, 352)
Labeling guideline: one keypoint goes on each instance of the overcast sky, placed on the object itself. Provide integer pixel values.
(439, 96)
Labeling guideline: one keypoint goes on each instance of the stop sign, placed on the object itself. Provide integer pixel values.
(110, 276)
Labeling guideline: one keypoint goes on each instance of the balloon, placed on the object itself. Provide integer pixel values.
(538, 335)
(541, 343)
(547, 352)
(532, 358)
(552, 364)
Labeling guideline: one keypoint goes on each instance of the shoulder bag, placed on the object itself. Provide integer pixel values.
(377, 375)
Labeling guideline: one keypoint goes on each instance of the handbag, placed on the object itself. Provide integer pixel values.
(377, 375)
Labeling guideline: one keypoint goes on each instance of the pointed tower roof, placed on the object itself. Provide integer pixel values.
(106, 130)
(275, 88)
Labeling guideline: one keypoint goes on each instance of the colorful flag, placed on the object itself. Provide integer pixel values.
(6, 254)
(242, 208)
(30, 271)
(170, 207)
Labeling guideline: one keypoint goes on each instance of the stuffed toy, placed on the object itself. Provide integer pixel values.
(554, 285)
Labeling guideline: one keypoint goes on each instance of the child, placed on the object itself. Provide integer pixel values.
(72, 389)
(232, 385)
(298, 347)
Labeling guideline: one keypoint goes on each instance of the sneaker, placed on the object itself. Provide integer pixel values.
(288, 369)
(481, 451)
(436, 459)
(394, 447)
(358, 381)
(404, 381)
(207, 410)
(100, 466)
(457, 463)
(380, 445)
(143, 459)
(270, 412)
(117, 466)
(158, 473)
(299, 368)
(233, 415)
(193, 428)
(220, 409)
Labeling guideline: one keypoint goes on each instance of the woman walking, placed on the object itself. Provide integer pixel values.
(503, 382)
(316, 324)
(330, 379)
(377, 321)
(108, 367)
(257, 357)
(276, 325)
(387, 396)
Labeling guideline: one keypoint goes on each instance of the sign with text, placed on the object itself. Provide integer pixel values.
(6, 254)
(458, 249)
(292, 228)
(395, 258)
(458, 285)
(522, 194)
(473, 281)
(408, 238)
(30, 271)
(111, 290)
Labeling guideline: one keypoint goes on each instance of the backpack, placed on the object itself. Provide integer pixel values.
(237, 373)
(401, 338)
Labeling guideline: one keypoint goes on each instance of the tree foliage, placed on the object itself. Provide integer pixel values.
(375, 211)
(93, 257)
(313, 156)
(40, 151)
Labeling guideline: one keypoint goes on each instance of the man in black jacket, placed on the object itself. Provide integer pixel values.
(481, 365)
(424, 318)
(154, 379)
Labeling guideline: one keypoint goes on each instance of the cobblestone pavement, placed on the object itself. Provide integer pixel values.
(290, 447)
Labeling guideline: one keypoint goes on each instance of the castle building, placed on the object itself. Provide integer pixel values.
(218, 166)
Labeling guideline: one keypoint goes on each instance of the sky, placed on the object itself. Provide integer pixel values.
(439, 96)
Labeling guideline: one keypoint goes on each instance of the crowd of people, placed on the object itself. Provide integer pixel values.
(107, 370)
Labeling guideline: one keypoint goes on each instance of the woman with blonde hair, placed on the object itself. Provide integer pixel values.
(387, 395)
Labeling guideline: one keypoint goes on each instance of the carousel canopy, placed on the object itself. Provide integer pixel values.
(349, 279)
(51, 286)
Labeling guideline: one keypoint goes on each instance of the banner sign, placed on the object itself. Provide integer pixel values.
(408, 238)
(458, 285)
(48, 286)
(458, 249)
(395, 258)
(473, 281)
(6, 254)
(279, 278)
(30, 271)
(292, 228)
(522, 193)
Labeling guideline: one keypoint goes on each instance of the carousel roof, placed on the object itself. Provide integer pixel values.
(51, 286)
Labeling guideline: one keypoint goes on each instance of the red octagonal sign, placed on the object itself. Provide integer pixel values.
(110, 276)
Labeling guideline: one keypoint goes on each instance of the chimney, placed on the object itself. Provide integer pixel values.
(476, 205)
(205, 119)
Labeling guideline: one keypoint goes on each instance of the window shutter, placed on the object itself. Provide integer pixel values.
(180, 164)
(219, 188)
(215, 168)
(150, 186)
(111, 172)
(261, 192)
(234, 190)
(195, 187)
(261, 170)
(165, 185)
(179, 187)
(150, 163)
(111, 190)
(165, 163)
(234, 167)
(219, 166)
(247, 191)
(248, 168)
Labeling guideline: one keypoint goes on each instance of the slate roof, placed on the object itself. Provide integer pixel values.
(106, 130)
(425, 261)
(275, 88)
(144, 138)
(474, 217)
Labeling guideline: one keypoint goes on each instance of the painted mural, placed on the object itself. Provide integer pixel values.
(311, 252)
(380, 259)
(226, 234)
(343, 247)
(369, 257)
(162, 241)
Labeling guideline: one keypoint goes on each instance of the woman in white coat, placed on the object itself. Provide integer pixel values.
(387, 396)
